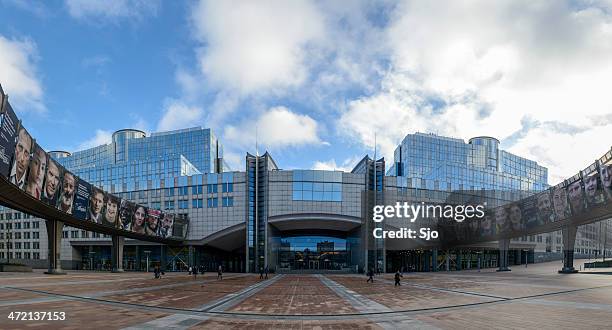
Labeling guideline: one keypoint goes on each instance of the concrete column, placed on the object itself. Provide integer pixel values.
(504, 246)
(447, 260)
(163, 251)
(569, 240)
(117, 253)
(54, 238)
(191, 257)
(137, 261)
(458, 260)
(434, 260)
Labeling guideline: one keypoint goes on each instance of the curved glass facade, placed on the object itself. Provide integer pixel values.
(309, 252)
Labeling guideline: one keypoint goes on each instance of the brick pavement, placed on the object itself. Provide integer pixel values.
(536, 297)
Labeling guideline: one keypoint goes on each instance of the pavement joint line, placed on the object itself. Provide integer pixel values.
(233, 299)
(433, 288)
(152, 288)
(362, 303)
(571, 304)
(263, 316)
(174, 322)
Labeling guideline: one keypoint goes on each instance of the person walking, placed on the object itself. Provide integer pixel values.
(267, 270)
(190, 270)
(398, 275)
(261, 271)
(195, 272)
(220, 273)
(370, 276)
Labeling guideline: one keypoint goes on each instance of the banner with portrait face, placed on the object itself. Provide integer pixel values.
(96, 205)
(593, 190)
(21, 159)
(126, 211)
(8, 136)
(67, 192)
(576, 196)
(501, 221)
(111, 211)
(52, 184)
(81, 200)
(545, 209)
(167, 222)
(152, 224)
(139, 219)
(529, 212)
(560, 203)
(37, 171)
(515, 217)
(605, 176)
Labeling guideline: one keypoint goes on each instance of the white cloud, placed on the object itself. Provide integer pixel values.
(276, 128)
(479, 68)
(331, 165)
(179, 115)
(112, 9)
(19, 76)
(102, 137)
(256, 46)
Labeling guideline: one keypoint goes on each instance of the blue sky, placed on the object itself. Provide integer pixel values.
(317, 78)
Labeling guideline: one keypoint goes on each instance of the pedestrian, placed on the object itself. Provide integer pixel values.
(398, 275)
(267, 270)
(190, 269)
(261, 271)
(195, 272)
(155, 274)
(220, 273)
(202, 270)
(370, 275)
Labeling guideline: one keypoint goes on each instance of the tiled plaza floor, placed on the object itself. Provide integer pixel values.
(532, 297)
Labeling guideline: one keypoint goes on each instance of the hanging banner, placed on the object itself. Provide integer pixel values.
(36, 174)
(21, 159)
(126, 211)
(81, 200)
(53, 178)
(96, 205)
(67, 192)
(139, 219)
(111, 210)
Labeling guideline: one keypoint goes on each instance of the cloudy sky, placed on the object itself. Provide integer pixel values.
(318, 79)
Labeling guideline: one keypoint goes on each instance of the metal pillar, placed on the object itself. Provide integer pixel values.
(504, 246)
(569, 240)
(434, 260)
(162, 257)
(54, 238)
(459, 260)
(117, 254)
(447, 258)
(191, 257)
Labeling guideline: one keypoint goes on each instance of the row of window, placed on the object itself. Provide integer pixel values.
(19, 225)
(20, 245)
(20, 235)
(317, 191)
(19, 255)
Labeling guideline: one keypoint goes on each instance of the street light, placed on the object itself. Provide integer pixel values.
(147, 255)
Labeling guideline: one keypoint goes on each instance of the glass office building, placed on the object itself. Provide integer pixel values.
(429, 161)
(262, 216)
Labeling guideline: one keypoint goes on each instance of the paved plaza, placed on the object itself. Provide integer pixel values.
(533, 297)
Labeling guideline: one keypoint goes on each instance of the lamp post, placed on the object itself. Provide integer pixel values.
(147, 256)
